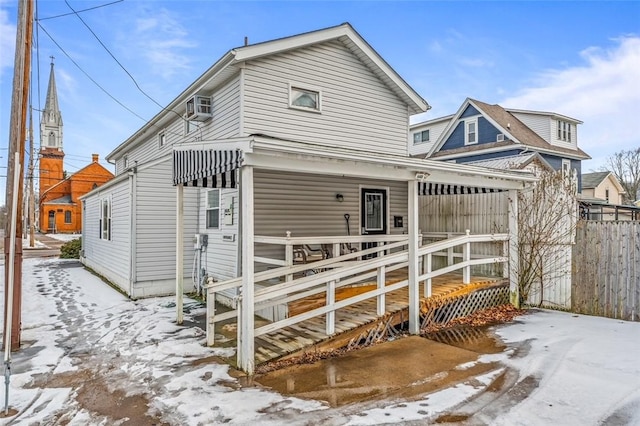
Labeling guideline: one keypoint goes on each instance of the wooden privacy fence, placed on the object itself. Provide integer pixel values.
(606, 269)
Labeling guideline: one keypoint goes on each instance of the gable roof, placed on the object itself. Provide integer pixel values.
(77, 173)
(517, 134)
(226, 66)
(592, 180)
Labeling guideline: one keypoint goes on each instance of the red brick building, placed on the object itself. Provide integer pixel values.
(58, 206)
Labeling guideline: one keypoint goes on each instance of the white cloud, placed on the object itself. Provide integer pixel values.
(163, 41)
(7, 42)
(603, 92)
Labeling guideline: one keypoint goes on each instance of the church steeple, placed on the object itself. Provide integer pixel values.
(51, 154)
(51, 122)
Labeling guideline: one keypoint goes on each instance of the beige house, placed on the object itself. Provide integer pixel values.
(602, 186)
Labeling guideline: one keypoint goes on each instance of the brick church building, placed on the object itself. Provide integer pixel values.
(60, 211)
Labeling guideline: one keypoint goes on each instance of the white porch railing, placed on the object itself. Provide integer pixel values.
(339, 271)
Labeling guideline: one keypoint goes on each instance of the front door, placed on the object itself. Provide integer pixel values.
(52, 221)
(373, 214)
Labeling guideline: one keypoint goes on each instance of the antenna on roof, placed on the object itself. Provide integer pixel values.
(246, 40)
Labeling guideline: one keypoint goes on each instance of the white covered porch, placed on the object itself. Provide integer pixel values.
(265, 282)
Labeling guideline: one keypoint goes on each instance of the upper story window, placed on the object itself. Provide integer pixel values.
(420, 137)
(213, 209)
(162, 139)
(471, 131)
(126, 161)
(564, 131)
(189, 126)
(606, 194)
(306, 99)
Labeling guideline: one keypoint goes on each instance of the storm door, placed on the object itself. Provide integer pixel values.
(373, 215)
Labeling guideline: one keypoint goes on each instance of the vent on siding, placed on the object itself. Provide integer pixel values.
(500, 137)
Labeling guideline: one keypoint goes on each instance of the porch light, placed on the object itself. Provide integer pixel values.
(339, 197)
(421, 177)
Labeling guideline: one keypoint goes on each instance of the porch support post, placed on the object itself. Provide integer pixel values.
(179, 252)
(514, 291)
(414, 288)
(382, 279)
(247, 326)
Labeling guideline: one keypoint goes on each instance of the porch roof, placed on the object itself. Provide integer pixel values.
(269, 153)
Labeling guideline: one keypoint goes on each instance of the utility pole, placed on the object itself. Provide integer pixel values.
(32, 196)
(17, 139)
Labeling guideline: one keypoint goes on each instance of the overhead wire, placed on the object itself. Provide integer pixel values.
(125, 70)
(83, 10)
(88, 76)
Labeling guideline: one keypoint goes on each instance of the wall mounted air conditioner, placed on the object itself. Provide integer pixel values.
(500, 137)
(199, 108)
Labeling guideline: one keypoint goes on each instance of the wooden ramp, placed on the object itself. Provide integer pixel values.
(351, 321)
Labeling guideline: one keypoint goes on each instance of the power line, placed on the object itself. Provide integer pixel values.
(88, 76)
(125, 70)
(83, 10)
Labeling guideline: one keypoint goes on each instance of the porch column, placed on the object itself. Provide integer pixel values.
(514, 266)
(247, 326)
(414, 288)
(179, 251)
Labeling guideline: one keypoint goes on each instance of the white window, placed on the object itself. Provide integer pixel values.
(566, 167)
(420, 137)
(471, 131)
(126, 161)
(305, 99)
(162, 139)
(189, 126)
(105, 219)
(564, 131)
(213, 209)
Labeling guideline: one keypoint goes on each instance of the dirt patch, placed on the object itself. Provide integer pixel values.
(93, 395)
(96, 397)
(451, 418)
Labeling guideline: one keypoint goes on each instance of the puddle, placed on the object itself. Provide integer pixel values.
(406, 368)
(476, 339)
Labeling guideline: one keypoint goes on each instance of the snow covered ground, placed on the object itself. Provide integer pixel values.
(64, 237)
(558, 368)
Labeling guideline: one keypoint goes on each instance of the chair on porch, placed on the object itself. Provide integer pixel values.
(305, 253)
(345, 248)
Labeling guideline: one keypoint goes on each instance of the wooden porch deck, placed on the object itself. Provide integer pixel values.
(351, 321)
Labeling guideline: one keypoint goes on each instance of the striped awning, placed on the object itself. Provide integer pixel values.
(209, 168)
(428, 188)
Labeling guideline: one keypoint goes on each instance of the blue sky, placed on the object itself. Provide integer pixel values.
(580, 59)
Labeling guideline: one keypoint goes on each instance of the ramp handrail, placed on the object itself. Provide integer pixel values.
(339, 273)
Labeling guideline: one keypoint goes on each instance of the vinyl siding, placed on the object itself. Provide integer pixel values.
(225, 123)
(220, 261)
(155, 217)
(435, 131)
(358, 110)
(306, 205)
(109, 258)
(542, 125)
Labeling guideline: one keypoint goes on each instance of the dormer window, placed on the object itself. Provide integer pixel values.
(421, 137)
(564, 131)
(471, 132)
(305, 99)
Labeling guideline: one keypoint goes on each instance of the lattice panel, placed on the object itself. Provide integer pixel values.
(443, 310)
